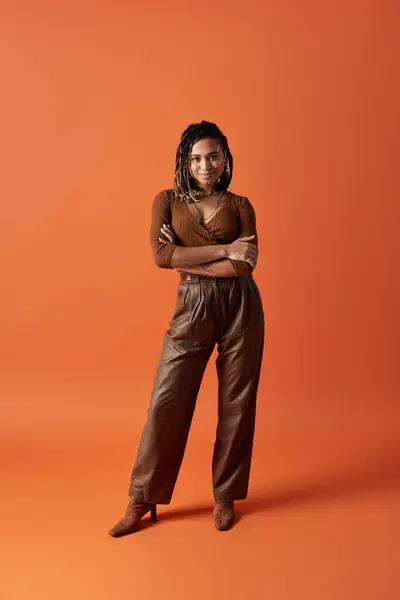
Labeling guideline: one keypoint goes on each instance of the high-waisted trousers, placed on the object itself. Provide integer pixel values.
(209, 311)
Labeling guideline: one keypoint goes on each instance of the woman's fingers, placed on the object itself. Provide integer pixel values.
(164, 239)
(252, 252)
(166, 233)
(254, 255)
(170, 233)
(247, 239)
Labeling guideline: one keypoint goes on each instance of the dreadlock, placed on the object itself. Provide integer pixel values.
(184, 184)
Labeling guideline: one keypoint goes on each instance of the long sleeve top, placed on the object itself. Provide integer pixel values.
(235, 218)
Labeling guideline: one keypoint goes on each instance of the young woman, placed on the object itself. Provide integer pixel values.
(209, 235)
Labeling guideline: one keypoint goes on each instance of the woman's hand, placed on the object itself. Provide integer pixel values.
(243, 249)
(169, 235)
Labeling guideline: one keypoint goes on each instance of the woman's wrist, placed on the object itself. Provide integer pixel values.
(224, 251)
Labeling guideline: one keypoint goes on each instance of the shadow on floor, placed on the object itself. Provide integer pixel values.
(376, 473)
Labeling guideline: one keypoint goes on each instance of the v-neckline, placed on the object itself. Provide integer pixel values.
(197, 218)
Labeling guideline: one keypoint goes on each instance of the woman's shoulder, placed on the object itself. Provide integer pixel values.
(167, 193)
(165, 198)
(239, 200)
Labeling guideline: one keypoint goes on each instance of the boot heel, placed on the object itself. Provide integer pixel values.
(154, 513)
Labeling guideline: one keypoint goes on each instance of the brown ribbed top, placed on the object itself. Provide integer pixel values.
(235, 218)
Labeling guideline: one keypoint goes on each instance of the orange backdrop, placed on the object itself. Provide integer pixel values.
(94, 97)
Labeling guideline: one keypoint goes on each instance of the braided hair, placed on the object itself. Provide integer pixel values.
(184, 184)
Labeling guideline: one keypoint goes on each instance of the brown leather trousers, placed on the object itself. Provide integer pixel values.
(223, 311)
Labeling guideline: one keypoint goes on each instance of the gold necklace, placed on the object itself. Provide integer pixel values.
(210, 217)
(213, 212)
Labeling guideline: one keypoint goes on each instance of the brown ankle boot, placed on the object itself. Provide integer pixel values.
(130, 521)
(224, 515)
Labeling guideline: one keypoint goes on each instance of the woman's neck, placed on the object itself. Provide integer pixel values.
(208, 191)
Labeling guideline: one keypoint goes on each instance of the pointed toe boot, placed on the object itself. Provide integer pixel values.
(132, 517)
(224, 515)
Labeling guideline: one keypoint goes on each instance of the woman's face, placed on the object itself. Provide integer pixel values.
(206, 162)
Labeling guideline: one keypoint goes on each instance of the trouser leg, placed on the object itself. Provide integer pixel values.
(188, 345)
(240, 351)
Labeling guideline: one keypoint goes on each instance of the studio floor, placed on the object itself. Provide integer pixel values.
(320, 521)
